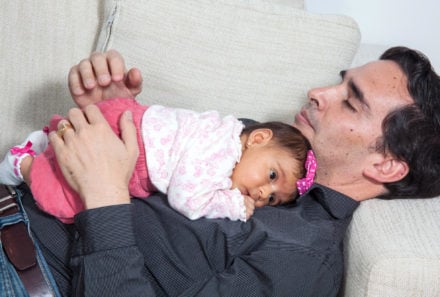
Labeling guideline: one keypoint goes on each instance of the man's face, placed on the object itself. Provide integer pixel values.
(343, 122)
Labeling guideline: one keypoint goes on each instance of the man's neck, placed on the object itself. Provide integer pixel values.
(358, 189)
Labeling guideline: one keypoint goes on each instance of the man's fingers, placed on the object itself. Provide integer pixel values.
(116, 65)
(55, 141)
(101, 68)
(78, 118)
(87, 74)
(90, 115)
(133, 81)
(129, 134)
(74, 81)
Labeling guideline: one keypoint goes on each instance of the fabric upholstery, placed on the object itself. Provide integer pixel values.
(292, 3)
(40, 41)
(392, 249)
(248, 58)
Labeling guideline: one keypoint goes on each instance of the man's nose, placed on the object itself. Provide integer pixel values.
(319, 97)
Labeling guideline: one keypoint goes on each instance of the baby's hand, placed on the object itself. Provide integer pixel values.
(249, 203)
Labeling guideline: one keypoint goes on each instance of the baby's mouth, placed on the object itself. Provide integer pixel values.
(244, 192)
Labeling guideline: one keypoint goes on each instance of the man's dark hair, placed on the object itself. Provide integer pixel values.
(412, 133)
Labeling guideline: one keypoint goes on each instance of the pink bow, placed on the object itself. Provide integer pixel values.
(20, 151)
(27, 149)
(305, 183)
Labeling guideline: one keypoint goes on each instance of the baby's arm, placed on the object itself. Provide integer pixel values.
(196, 201)
(249, 203)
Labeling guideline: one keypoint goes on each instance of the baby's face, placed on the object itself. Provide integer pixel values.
(267, 174)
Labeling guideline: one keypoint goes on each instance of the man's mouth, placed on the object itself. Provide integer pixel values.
(302, 118)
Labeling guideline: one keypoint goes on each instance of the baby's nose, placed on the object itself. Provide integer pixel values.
(265, 192)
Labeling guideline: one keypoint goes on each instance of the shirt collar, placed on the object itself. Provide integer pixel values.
(337, 204)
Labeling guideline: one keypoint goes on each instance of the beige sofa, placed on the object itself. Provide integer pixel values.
(252, 58)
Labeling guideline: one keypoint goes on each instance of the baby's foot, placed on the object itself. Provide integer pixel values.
(10, 173)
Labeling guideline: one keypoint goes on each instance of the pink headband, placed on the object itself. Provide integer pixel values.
(305, 183)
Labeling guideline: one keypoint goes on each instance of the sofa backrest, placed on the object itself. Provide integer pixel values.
(251, 58)
(40, 40)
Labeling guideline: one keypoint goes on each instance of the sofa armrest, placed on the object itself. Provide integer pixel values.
(392, 249)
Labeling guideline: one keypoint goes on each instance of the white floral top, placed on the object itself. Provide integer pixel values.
(190, 157)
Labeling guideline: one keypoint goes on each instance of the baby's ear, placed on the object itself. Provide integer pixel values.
(259, 137)
(386, 169)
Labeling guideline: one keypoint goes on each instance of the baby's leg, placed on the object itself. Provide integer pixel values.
(25, 168)
(15, 167)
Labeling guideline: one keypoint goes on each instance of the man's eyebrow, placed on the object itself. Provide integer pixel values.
(358, 94)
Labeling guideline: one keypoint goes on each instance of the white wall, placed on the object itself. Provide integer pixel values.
(415, 24)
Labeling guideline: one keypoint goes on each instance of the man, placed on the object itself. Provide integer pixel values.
(360, 131)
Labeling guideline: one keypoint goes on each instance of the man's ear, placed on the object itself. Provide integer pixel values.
(259, 137)
(386, 169)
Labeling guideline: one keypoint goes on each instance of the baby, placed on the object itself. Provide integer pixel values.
(209, 166)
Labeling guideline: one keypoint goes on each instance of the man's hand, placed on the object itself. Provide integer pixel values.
(94, 161)
(103, 76)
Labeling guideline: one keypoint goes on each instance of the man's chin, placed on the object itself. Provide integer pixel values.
(306, 130)
(308, 136)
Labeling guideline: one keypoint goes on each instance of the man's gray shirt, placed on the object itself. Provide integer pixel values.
(148, 249)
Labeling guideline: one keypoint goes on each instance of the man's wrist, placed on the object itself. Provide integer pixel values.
(106, 196)
(105, 228)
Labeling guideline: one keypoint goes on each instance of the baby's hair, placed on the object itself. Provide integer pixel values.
(286, 137)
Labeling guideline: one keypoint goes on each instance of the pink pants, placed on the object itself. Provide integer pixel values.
(49, 187)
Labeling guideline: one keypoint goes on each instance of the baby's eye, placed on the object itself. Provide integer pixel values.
(271, 199)
(272, 175)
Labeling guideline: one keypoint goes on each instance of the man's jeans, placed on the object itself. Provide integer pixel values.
(10, 283)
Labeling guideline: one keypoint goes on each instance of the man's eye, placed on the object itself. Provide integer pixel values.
(272, 175)
(349, 106)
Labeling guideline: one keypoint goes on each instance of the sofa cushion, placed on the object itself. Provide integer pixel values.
(251, 58)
